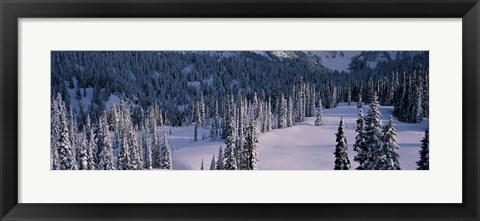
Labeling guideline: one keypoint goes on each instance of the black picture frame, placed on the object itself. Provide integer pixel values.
(12, 10)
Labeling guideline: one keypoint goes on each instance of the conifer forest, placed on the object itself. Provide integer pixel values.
(239, 110)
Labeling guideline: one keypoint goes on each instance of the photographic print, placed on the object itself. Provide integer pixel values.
(239, 110)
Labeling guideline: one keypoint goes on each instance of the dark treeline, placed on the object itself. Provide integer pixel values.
(174, 80)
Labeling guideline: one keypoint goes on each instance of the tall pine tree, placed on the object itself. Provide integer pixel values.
(147, 148)
(166, 155)
(212, 163)
(373, 135)
(72, 128)
(105, 146)
(54, 135)
(230, 141)
(390, 147)
(82, 153)
(341, 156)
(155, 147)
(423, 163)
(318, 120)
(91, 145)
(251, 148)
(220, 162)
(360, 146)
(67, 160)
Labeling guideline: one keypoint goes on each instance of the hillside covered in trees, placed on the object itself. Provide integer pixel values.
(116, 110)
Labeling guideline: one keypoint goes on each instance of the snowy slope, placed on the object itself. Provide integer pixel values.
(86, 100)
(302, 147)
(187, 154)
(335, 60)
(306, 146)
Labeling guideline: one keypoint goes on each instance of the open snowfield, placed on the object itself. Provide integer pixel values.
(301, 147)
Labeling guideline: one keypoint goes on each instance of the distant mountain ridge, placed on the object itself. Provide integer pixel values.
(334, 60)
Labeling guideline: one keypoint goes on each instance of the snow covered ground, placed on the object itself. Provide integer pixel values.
(302, 147)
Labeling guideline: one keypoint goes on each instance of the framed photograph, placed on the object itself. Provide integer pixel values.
(312, 110)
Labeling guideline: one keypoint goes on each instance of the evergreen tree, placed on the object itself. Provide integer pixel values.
(359, 101)
(136, 161)
(390, 147)
(312, 102)
(373, 135)
(220, 162)
(301, 94)
(226, 107)
(212, 163)
(202, 111)
(290, 113)
(201, 166)
(349, 95)
(341, 156)
(391, 90)
(240, 138)
(215, 116)
(370, 91)
(67, 160)
(213, 133)
(269, 115)
(91, 145)
(197, 121)
(105, 146)
(113, 120)
(399, 99)
(425, 99)
(230, 159)
(230, 140)
(195, 132)
(155, 147)
(73, 132)
(360, 146)
(55, 135)
(137, 156)
(251, 148)
(147, 146)
(124, 155)
(318, 120)
(423, 163)
(418, 101)
(166, 156)
(158, 116)
(282, 118)
(334, 98)
(82, 155)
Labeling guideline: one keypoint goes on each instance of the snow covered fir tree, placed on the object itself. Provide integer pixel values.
(341, 156)
(423, 163)
(239, 110)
